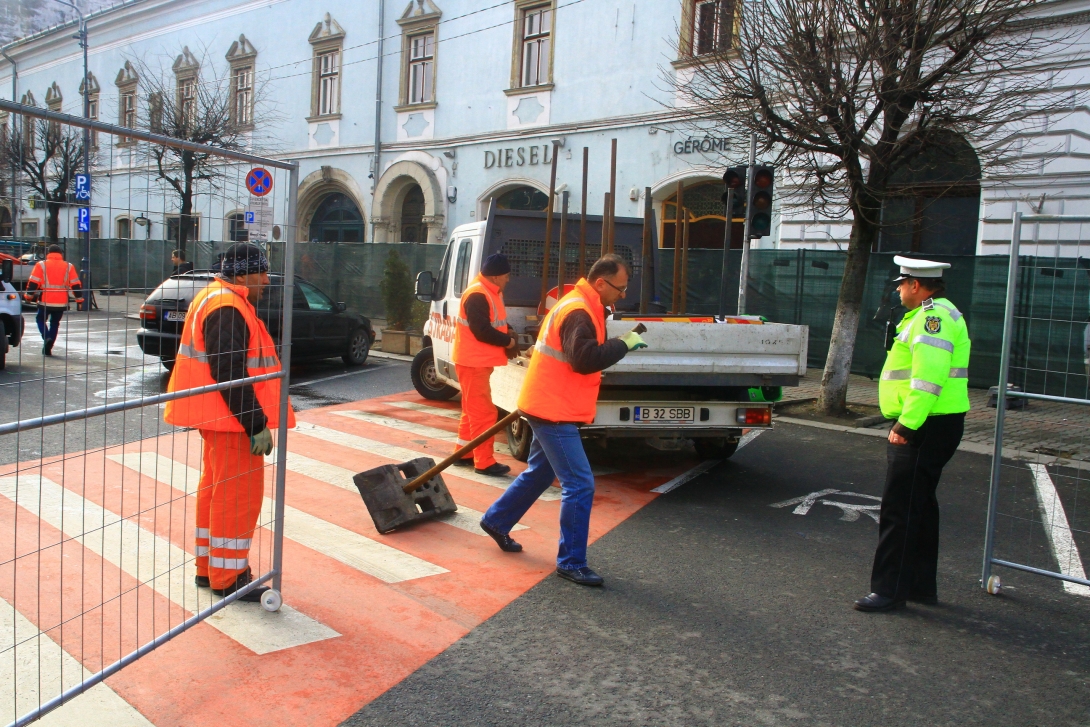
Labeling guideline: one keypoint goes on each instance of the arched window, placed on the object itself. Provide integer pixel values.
(413, 228)
(934, 207)
(523, 198)
(706, 218)
(337, 219)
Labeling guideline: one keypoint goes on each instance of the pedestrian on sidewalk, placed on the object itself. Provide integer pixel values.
(48, 286)
(482, 341)
(560, 393)
(181, 267)
(924, 386)
(223, 340)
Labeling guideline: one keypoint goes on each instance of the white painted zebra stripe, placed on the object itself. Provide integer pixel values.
(1058, 530)
(411, 427)
(35, 669)
(376, 559)
(402, 454)
(416, 406)
(469, 520)
(158, 564)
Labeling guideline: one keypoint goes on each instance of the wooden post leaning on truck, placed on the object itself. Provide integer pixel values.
(676, 291)
(645, 253)
(480, 438)
(548, 228)
(612, 194)
(583, 217)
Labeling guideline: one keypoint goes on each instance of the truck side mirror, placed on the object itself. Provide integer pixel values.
(425, 286)
(7, 271)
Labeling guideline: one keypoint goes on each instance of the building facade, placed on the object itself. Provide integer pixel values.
(407, 118)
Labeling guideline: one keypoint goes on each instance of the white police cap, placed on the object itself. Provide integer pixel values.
(913, 268)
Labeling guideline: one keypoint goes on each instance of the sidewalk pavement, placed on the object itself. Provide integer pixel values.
(1046, 432)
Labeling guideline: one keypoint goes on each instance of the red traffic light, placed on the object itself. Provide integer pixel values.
(762, 177)
(734, 178)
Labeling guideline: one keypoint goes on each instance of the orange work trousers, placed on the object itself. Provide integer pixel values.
(229, 497)
(478, 411)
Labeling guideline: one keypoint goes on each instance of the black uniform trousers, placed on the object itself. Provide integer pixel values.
(906, 561)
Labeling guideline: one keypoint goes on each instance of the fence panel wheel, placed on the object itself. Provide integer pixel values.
(272, 601)
(994, 586)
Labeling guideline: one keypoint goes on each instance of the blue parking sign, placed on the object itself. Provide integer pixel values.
(84, 219)
(83, 187)
(251, 218)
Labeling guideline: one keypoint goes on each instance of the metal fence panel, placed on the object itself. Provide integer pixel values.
(98, 495)
(1037, 516)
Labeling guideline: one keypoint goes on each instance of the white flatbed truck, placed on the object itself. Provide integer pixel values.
(700, 379)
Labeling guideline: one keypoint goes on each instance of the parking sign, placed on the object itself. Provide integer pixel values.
(83, 187)
(84, 220)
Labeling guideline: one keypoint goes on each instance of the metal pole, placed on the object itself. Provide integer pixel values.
(612, 192)
(548, 229)
(561, 252)
(375, 168)
(645, 259)
(1001, 401)
(685, 265)
(14, 161)
(285, 383)
(726, 250)
(583, 217)
(678, 212)
(743, 274)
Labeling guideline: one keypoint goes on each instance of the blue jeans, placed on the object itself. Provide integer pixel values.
(556, 452)
(55, 315)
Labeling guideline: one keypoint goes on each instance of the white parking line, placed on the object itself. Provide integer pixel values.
(159, 564)
(469, 520)
(35, 669)
(388, 564)
(1058, 530)
(402, 454)
(686, 476)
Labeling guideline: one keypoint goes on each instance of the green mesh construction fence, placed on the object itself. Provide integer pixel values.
(802, 286)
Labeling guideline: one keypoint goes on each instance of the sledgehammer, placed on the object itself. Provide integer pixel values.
(394, 500)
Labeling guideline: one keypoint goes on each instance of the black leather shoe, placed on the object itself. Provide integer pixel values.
(47, 348)
(495, 470)
(583, 576)
(502, 539)
(466, 462)
(242, 580)
(875, 603)
(931, 600)
(201, 581)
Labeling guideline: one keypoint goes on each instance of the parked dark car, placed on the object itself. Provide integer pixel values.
(320, 328)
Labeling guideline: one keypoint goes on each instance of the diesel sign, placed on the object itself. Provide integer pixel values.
(519, 156)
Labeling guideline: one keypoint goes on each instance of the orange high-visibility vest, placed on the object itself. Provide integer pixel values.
(55, 278)
(191, 365)
(468, 351)
(552, 390)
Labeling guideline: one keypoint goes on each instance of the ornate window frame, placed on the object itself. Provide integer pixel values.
(687, 55)
(127, 81)
(186, 73)
(326, 38)
(242, 59)
(522, 7)
(93, 109)
(420, 19)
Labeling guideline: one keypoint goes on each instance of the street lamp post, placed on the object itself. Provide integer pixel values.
(85, 248)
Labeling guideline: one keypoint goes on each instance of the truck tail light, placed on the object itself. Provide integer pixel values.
(755, 416)
(148, 313)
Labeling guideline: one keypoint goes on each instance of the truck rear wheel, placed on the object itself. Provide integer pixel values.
(426, 379)
(715, 447)
(519, 437)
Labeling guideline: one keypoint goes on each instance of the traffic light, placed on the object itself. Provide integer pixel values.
(735, 178)
(760, 202)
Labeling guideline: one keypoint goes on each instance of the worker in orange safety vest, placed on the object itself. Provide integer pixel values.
(482, 341)
(48, 286)
(223, 340)
(560, 393)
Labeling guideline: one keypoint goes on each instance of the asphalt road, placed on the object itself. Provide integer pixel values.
(720, 609)
(97, 360)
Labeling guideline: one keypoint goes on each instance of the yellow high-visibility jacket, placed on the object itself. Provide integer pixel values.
(927, 370)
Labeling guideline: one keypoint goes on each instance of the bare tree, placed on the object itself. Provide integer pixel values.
(844, 94)
(48, 157)
(195, 102)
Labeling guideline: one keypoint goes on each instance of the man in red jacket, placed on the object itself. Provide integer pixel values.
(48, 286)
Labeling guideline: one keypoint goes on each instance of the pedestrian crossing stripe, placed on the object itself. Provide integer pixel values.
(391, 423)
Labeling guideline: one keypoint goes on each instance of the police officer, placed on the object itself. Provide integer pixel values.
(482, 341)
(924, 386)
